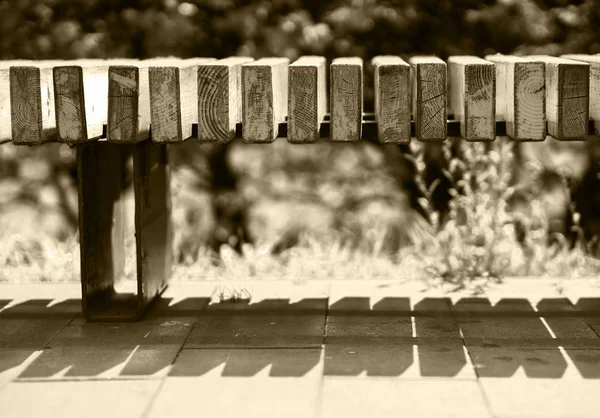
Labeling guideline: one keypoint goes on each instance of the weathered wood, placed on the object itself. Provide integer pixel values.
(100, 169)
(392, 99)
(307, 99)
(5, 108)
(128, 103)
(472, 87)
(33, 119)
(521, 96)
(567, 97)
(264, 98)
(81, 97)
(153, 221)
(346, 99)
(594, 99)
(173, 87)
(429, 98)
(220, 99)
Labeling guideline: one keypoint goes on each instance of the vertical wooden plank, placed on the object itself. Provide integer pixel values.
(307, 99)
(153, 221)
(81, 97)
(473, 96)
(100, 169)
(594, 107)
(33, 116)
(429, 98)
(521, 96)
(264, 98)
(392, 99)
(128, 103)
(346, 99)
(220, 99)
(173, 87)
(567, 97)
(5, 112)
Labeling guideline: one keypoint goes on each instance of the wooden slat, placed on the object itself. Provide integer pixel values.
(346, 99)
(594, 108)
(307, 99)
(128, 103)
(472, 86)
(567, 97)
(33, 116)
(220, 99)
(264, 98)
(81, 92)
(430, 109)
(5, 112)
(392, 99)
(173, 98)
(521, 96)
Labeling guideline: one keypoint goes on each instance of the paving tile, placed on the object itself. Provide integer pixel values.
(256, 383)
(77, 399)
(105, 351)
(506, 361)
(395, 398)
(266, 321)
(525, 397)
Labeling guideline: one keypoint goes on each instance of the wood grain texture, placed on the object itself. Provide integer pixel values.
(81, 97)
(521, 96)
(307, 99)
(128, 103)
(473, 96)
(264, 98)
(594, 63)
(173, 87)
(5, 112)
(346, 76)
(392, 99)
(429, 98)
(567, 97)
(220, 99)
(33, 117)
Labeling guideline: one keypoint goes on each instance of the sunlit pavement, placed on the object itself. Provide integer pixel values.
(525, 348)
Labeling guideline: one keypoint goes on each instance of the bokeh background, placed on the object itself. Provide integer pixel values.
(281, 196)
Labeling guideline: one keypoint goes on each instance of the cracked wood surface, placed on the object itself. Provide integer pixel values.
(472, 91)
(346, 99)
(264, 98)
(594, 91)
(429, 98)
(567, 97)
(521, 96)
(392, 99)
(307, 99)
(220, 98)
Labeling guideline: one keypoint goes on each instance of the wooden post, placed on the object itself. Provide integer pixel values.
(567, 97)
(346, 99)
(594, 98)
(392, 99)
(173, 98)
(128, 103)
(220, 99)
(5, 108)
(307, 99)
(521, 96)
(81, 97)
(473, 96)
(100, 169)
(33, 117)
(429, 98)
(264, 98)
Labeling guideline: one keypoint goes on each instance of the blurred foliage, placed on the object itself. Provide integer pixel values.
(68, 29)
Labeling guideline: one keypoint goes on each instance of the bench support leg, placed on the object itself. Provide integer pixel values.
(101, 183)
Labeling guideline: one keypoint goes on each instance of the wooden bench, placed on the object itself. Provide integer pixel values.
(111, 109)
